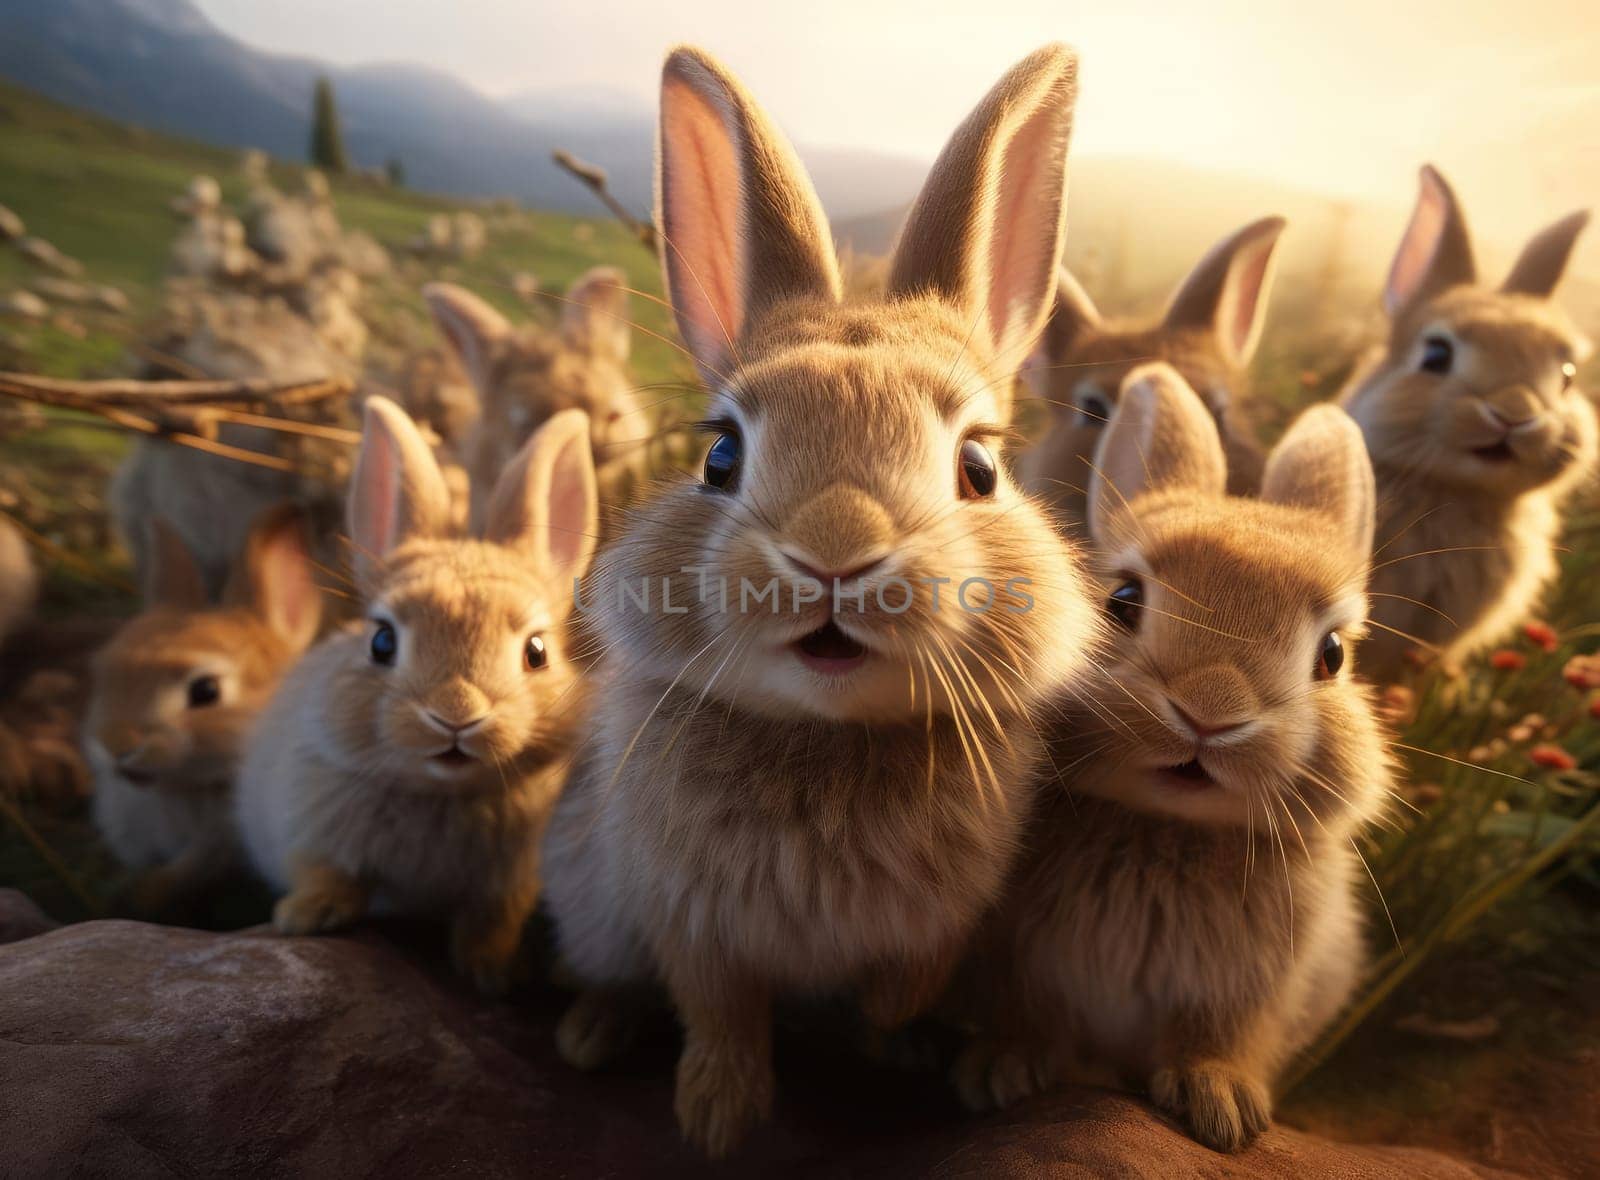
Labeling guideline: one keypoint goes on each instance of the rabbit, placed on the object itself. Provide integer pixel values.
(1185, 916)
(820, 793)
(19, 580)
(523, 377)
(175, 693)
(409, 763)
(1208, 333)
(1478, 433)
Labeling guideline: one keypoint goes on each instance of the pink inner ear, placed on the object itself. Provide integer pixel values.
(1026, 216)
(569, 518)
(701, 190)
(291, 590)
(1415, 256)
(1248, 280)
(378, 505)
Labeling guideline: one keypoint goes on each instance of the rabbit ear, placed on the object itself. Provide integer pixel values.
(1436, 252)
(1544, 259)
(473, 328)
(172, 577)
(1322, 463)
(986, 231)
(1161, 437)
(1073, 317)
(741, 227)
(274, 576)
(547, 501)
(397, 492)
(1226, 293)
(595, 315)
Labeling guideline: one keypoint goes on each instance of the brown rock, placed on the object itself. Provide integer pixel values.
(155, 1050)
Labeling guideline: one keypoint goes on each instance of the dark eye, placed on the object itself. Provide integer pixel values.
(722, 461)
(1569, 374)
(1438, 354)
(384, 644)
(534, 654)
(1094, 410)
(1331, 658)
(203, 691)
(977, 477)
(1126, 604)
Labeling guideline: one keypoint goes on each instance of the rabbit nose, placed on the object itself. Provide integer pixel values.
(450, 726)
(1205, 729)
(839, 532)
(812, 569)
(1513, 408)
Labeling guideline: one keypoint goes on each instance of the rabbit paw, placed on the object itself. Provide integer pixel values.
(1222, 1107)
(722, 1093)
(992, 1074)
(595, 1030)
(315, 911)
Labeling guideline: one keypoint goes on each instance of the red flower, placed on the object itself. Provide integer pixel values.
(1552, 756)
(1542, 634)
(1507, 660)
(1583, 672)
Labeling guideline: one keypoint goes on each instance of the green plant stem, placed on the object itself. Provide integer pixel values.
(1467, 911)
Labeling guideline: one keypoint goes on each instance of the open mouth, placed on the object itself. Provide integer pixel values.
(828, 649)
(1500, 452)
(453, 759)
(1188, 775)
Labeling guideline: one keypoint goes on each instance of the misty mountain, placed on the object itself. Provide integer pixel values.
(162, 64)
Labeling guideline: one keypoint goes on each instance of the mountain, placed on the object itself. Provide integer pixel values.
(162, 64)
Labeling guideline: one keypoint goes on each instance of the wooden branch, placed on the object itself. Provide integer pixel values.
(593, 177)
(143, 393)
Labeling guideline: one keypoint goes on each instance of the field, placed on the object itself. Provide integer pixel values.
(1478, 1030)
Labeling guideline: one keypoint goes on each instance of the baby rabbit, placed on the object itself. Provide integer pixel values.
(819, 791)
(175, 694)
(523, 377)
(1208, 334)
(1186, 913)
(411, 759)
(1477, 431)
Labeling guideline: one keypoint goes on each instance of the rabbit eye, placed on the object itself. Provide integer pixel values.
(203, 691)
(1438, 354)
(1331, 657)
(385, 644)
(1126, 604)
(1569, 374)
(534, 654)
(977, 477)
(722, 461)
(1093, 409)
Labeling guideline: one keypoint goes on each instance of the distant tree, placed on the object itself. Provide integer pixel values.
(327, 140)
(395, 169)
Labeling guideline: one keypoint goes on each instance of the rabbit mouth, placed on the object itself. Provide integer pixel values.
(1188, 776)
(830, 650)
(1499, 452)
(455, 758)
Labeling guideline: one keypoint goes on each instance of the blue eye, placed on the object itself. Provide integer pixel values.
(1438, 354)
(384, 644)
(722, 461)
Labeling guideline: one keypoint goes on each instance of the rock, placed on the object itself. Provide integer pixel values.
(526, 285)
(469, 235)
(253, 164)
(204, 195)
(20, 918)
(361, 253)
(24, 305)
(11, 226)
(162, 1050)
(42, 253)
(109, 298)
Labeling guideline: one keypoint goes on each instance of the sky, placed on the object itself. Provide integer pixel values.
(1343, 98)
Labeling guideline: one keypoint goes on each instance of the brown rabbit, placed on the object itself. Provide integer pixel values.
(176, 693)
(410, 761)
(1478, 433)
(1185, 917)
(523, 377)
(1208, 334)
(820, 791)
